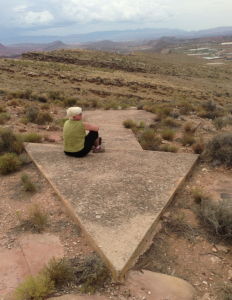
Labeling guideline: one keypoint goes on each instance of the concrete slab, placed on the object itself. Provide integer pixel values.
(116, 117)
(118, 137)
(116, 197)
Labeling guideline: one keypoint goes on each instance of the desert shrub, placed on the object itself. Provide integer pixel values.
(185, 107)
(149, 140)
(226, 292)
(4, 117)
(45, 106)
(58, 103)
(10, 142)
(220, 122)
(32, 138)
(199, 147)
(140, 106)
(58, 270)
(9, 162)
(92, 273)
(2, 109)
(168, 148)
(11, 95)
(168, 134)
(85, 104)
(3, 92)
(115, 106)
(211, 114)
(124, 106)
(107, 106)
(142, 124)
(43, 98)
(149, 108)
(99, 105)
(54, 95)
(128, 123)
(20, 94)
(27, 94)
(43, 118)
(24, 120)
(220, 148)
(169, 121)
(189, 126)
(135, 129)
(32, 112)
(36, 220)
(70, 101)
(34, 97)
(209, 105)
(197, 194)
(174, 114)
(35, 288)
(61, 122)
(217, 215)
(94, 103)
(12, 103)
(188, 139)
(173, 149)
(27, 183)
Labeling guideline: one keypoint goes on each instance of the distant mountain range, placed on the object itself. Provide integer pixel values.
(119, 36)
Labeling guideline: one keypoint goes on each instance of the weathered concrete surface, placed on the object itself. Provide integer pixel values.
(116, 117)
(156, 286)
(116, 197)
(118, 137)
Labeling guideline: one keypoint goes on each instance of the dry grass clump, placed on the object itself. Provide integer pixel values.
(94, 103)
(185, 107)
(70, 101)
(45, 106)
(61, 122)
(24, 120)
(169, 121)
(13, 103)
(128, 123)
(168, 134)
(168, 148)
(220, 148)
(58, 103)
(32, 138)
(198, 194)
(4, 117)
(217, 217)
(151, 108)
(34, 287)
(54, 95)
(188, 139)
(92, 274)
(199, 147)
(9, 162)
(2, 109)
(58, 270)
(210, 110)
(32, 112)
(189, 127)
(43, 118)
(220, 122)
(43, 98)
(27, 183)
(27, 94)
(36, 220)
(124, 106)
(10, 142)
(149, 140)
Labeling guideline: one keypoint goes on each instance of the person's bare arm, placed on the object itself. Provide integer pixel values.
(90, 127)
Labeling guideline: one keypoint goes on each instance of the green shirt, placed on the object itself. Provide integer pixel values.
(73, 136)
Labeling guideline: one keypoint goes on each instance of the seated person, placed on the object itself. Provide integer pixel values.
(76, 142)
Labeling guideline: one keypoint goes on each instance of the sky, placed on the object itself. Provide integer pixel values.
(64, 17)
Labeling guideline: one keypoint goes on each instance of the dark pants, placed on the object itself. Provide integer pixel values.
(89, 141)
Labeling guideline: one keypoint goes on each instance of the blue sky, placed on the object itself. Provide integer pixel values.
(63, 17)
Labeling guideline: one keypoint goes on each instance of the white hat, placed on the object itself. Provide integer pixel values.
(73, 111)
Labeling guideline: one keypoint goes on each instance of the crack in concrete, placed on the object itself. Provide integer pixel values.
(25, 259)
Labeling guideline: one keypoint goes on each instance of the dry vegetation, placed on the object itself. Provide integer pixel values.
(191, 105)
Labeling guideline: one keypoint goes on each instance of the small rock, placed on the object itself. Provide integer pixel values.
(229, 274)
(22, 130)
(52, 128)
(41, 127)
(214, 249)
(222, 248)
(205, 170)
